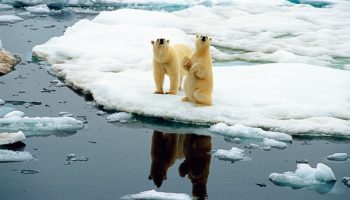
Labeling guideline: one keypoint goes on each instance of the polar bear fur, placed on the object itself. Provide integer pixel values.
(198, 85)
(167, 60)
(7, 62)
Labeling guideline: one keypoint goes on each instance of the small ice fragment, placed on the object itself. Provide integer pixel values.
(65, 114)
(10, 19)
(39, 9)
(10, 138)
(73, 157)
(235, 154)
(239, 130)
(2, 102)
(267, 148)
(346, 181)
(29, 171)
(15, 114)
(100, 112)
(119, 117)
(251, 146)
(302, 161)
(338, 157)
(260, 184)
(274, 143)
(152, 194)
(304, 176)
(14, 156)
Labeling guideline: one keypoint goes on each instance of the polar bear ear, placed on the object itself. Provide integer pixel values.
(210, 39)
(167, 41)
(197, 36)
(152, 42)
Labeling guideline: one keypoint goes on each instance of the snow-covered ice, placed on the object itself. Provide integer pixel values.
(154, 195)
(14, 114)
(338, 157)
(241, 131)
(39, 9)
(10, 138)
(119, 117)
(304, 176)
(274, 143)
(234, 154)
(108, 57)
(9, 19)
(14, 156)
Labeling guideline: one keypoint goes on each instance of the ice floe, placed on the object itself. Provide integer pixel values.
(10, 19)
(119, 117)
(13, 120)
(241, 131)
(274, 143)
(304, 176)
(152, 194)
(10, 138)
(346, 181)
(39, 9)
(14, 156)
(233, 155)
(338, 157)
(108, 58)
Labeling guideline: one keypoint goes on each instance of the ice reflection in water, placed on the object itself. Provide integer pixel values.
(195, 149)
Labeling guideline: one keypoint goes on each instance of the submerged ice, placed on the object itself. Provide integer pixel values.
(152, 194)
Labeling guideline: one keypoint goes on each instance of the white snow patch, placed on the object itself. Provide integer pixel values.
(304, 176)
(14, 156)
(10, 19)
(10, 138)
(338, 157)
(239, 130)
(274, 143)
(234, 154)
(152, 194)
(39, 9)
(119, 117)
(107, 54)
(15, 114)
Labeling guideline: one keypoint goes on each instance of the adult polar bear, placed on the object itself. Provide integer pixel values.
(199, 81)
(167, 60)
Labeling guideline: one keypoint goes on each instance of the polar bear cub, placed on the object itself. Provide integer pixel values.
(198, 85)
(167, 60)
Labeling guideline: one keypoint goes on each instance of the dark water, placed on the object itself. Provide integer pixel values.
(119, 155)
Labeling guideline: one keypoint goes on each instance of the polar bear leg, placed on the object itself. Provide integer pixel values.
(202, 97)
(158, 75)
(174, 82)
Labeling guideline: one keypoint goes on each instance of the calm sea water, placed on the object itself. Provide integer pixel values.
(121, 157)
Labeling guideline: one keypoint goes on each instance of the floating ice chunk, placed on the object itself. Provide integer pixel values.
(346, 181)
(100, 113)
(65, 114)
(2, 102)
(41, 124)
(119, 117)
(73, 157)
(39, 9)
(4, 110)
(29, 171)
(274, 143)
(10, 138)
(14, 156)
(15, 114)
(152, 194)
(234, 154)
(10, 19)
(239, 130)
(338, 157)
(304, 176)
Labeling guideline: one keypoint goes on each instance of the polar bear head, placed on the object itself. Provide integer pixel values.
(202, 42)
(160, 47)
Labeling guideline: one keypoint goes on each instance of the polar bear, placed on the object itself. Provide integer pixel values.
(199, 81)
(167, 60)
(7, 61)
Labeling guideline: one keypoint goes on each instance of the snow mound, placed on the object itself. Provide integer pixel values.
(304, 176)
(119, 117)
(14, 156)
(274, 143)
(338, 157)
(234, 154)
(154, 195)
(39, 9)
(241, 131)
(14, 114)
(10, 19)
(10, 138)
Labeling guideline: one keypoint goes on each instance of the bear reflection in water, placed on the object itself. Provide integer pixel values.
(195, 149)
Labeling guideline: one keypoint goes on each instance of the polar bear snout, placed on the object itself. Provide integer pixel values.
(161, 41)
(204, 38)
